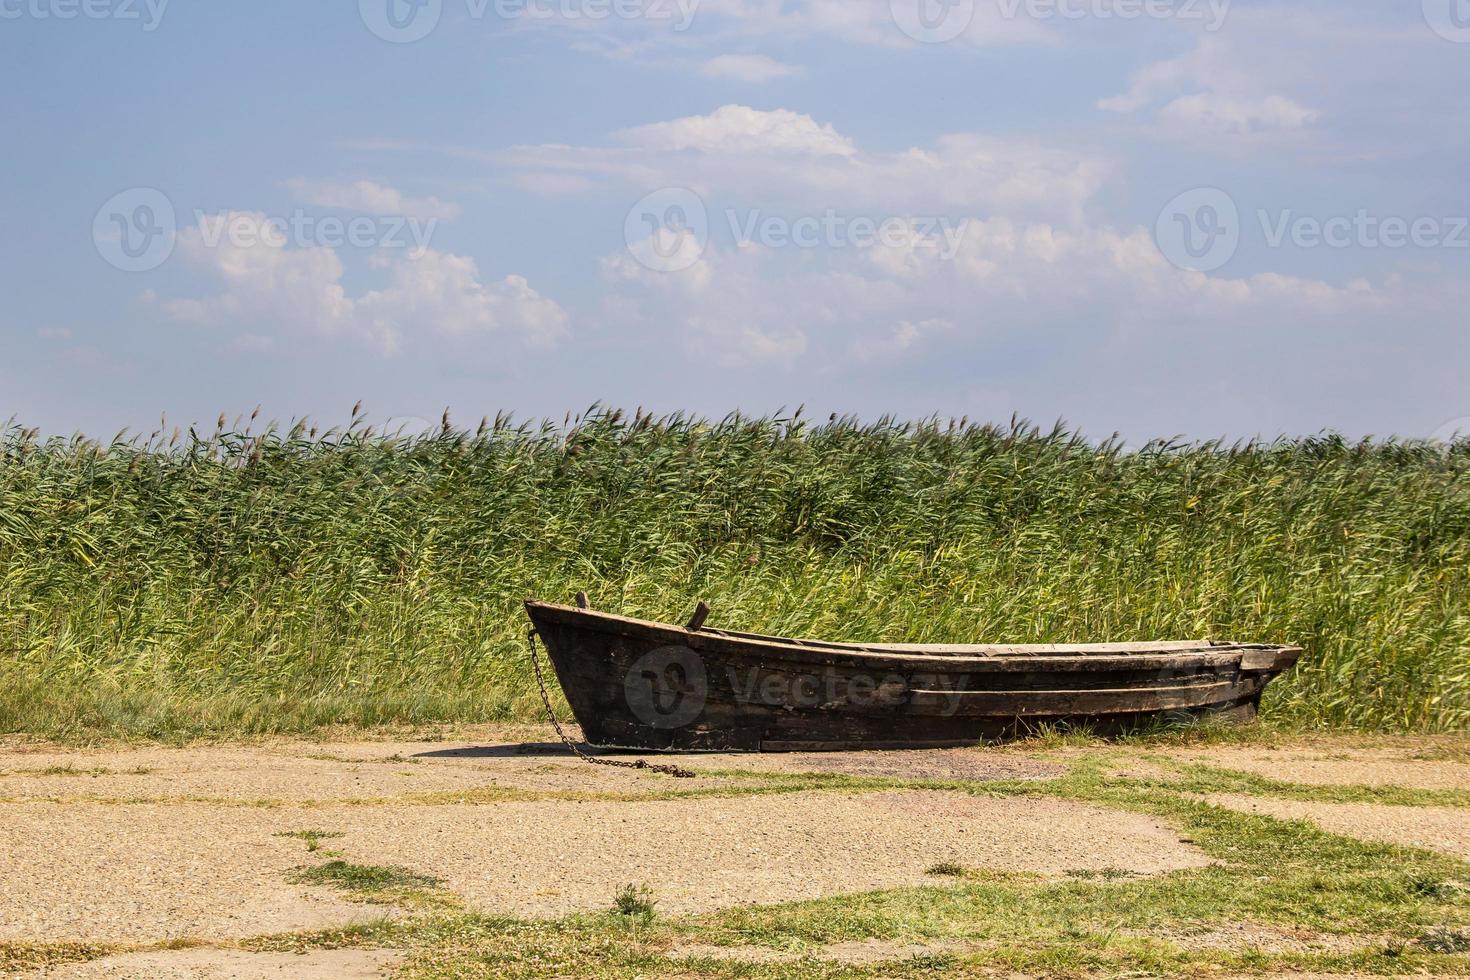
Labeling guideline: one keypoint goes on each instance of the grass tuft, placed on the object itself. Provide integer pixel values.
(946, 869)
(313, 838)
(634, 901)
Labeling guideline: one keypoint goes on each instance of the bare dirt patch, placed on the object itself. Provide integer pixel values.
(225, 964)
(1445, 829)
(1242, 937)
(974, 764)
(1318, 766)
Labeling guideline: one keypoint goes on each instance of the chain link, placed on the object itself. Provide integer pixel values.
(674, 771)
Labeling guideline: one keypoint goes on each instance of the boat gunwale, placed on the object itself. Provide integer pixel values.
(1150, 654)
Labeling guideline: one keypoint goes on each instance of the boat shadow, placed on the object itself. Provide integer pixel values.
(513, 750)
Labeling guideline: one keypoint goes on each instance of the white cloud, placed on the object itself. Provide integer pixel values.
(1231, 84)
(734, 342)
(647, 260)
(782, 159)
(370, 197)
(741, 130)
(54, 333)
(725, 309)
(265, 281)
(755, 68)
(1222, 114)
(443, 290)
(300, 291)
(1009, 280)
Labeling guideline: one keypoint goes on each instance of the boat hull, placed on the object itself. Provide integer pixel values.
(651, 686)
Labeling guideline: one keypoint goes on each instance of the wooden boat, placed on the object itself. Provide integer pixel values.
(643, 685)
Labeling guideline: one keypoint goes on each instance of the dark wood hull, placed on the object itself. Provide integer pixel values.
(641, 685)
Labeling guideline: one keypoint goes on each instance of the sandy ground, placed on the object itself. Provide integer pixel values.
(113, 873)
(1404, 766)
(1438, 828)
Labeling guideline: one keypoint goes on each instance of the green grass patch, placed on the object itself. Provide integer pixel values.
(364, 877)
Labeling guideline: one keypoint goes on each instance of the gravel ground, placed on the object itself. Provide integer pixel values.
(115, 872)
(1439, 828)
(314, 772)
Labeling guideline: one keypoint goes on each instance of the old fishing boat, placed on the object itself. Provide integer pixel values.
(643, 685)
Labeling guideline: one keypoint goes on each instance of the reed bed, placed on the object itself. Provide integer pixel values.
(237, 581)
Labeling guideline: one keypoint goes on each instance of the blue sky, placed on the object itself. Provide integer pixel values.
(1156, 217)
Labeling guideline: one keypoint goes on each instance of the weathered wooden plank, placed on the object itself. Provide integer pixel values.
(991, 649)
(1270, 659)
(1029, 704)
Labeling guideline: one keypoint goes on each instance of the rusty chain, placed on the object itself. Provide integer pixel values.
(674, 771)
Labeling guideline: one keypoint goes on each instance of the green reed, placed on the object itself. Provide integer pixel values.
(235, 581)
